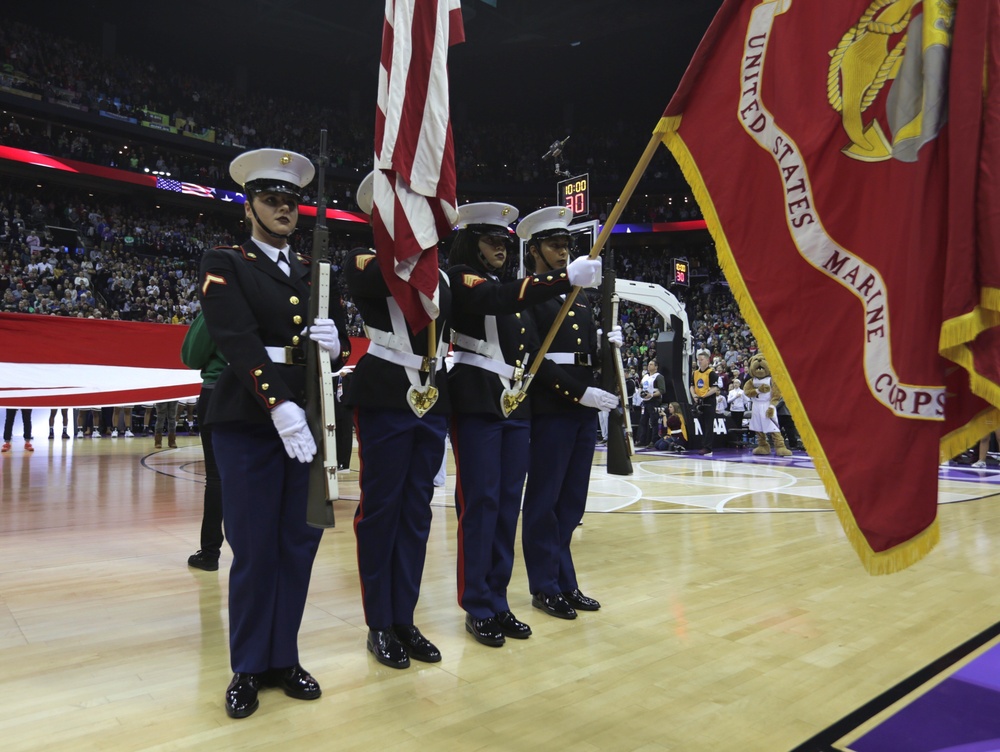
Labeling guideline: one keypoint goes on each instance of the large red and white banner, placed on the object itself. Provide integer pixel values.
(53, 361)
(414, 187)
(845, 158)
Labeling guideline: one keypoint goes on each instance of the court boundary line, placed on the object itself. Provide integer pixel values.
(825, 740)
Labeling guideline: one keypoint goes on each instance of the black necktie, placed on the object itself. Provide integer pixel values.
(283, 263)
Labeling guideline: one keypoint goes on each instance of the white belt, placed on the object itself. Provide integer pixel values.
(488, 364)
(285, 355)
(478, 346)
(407, 360)
(569, 359)
(387, 339)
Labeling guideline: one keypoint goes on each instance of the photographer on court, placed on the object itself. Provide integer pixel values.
(651, 391)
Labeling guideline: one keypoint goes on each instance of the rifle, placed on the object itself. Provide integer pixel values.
(320, 394)
(613, 380)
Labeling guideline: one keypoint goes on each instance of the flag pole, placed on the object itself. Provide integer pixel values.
(602, 238)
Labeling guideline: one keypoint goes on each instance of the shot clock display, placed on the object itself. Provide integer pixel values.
(681, 272)
(575, 194)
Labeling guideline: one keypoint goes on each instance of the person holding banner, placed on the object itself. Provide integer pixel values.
(199, 351)
(492, 337)
(400, 398)
(564, 406)
(255, 298)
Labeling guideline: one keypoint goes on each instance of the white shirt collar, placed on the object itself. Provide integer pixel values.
(272, 251)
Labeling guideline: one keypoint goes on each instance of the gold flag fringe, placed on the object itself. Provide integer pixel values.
(875, 562)
(956, 334)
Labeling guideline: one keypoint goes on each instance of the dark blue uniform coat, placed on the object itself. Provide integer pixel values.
(563, 436)
(249, 303)
(491, 451)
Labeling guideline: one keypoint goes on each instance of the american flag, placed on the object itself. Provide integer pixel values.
(192, 189)
(414, 192)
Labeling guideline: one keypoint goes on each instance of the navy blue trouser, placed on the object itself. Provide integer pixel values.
(211, 521)
(399, 456)
(264, 495)
(491, 457)
(555, 497)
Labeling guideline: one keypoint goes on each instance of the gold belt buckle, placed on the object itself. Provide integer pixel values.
(289, 355)
(518, 373)
(425, 365)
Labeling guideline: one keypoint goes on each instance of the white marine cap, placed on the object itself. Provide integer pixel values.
(275, 170)
(492, 214)
(552, 220)
(366, 193)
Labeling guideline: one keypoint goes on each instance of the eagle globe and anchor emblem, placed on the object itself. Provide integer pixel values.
(906, 45)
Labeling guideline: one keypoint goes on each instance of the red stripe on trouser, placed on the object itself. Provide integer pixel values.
(361, 507)
(460, 500)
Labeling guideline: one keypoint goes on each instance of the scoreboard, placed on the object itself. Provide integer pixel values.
(574, 193)
(682, 272)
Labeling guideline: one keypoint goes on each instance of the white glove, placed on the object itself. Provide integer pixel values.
(290, 420)
(615, 336)
(324, 333)
(599, 399)
(584, 272)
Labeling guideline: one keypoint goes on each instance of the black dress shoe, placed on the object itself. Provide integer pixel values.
(295, 681)
(204, 560)
(417, 646)
(581, 602)
(487, 631)
(511, 627)
(387, 649)
(241, 697)
(553, 605)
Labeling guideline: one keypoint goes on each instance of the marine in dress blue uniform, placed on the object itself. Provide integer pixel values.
(255, 301)
(565, 403)
(492, 338)
(399, 453)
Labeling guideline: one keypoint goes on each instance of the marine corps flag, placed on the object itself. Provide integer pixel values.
(845, 156)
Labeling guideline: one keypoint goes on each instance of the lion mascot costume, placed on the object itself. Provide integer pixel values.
(763, 397)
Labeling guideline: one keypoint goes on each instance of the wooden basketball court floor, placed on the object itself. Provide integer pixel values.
(735, 615)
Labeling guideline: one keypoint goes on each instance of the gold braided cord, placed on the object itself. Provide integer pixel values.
(882, 76)
(855, 33)
(833, 94)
